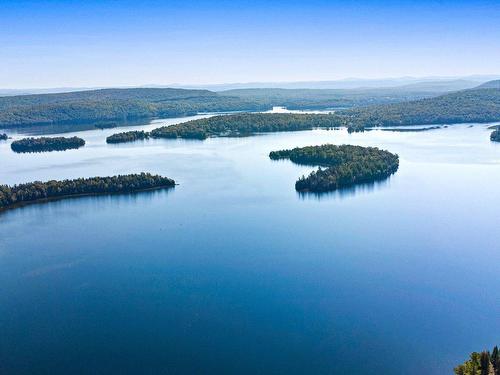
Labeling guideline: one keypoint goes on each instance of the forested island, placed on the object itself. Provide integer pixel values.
(495, 135)
(244, 124)
(46, 144)
(127, 136)
(484, 363)
(344, 165)
(11, 196)
(3, 137)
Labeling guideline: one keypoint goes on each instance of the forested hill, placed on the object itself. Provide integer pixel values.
(115, 105)
(490, 85)
(475, 105)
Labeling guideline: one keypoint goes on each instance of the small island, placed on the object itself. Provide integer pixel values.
(495, 135)
(12, 196)
(47, 144)
(127, 137)
(339, 166)
(245, 124)
(481, 363)
(3, 137)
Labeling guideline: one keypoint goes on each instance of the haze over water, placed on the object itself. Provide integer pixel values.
(234, 272)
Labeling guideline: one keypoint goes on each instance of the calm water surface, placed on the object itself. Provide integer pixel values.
(234, 272)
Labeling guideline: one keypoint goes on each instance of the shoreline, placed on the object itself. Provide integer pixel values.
(62, 197)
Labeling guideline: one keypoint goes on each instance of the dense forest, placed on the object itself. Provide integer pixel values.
(344, 165)
(330, 98)
(243, 124)
(484, 363)
(115, 105)
(127, 136)
(362, 107)
(3, 137)
(36, 191)
(479, 105)
(45, 144)
(495, 135)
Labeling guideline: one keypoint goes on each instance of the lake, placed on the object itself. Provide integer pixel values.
(234, 272)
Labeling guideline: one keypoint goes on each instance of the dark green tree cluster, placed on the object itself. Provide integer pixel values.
(495, 135)
(484, 363)
(46, 144)
(3, 137)
(244, 124)
(344, 165)
(127, 136)
(480, 105)
(35, 191)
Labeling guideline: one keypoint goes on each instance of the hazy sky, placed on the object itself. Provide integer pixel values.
(117, 43)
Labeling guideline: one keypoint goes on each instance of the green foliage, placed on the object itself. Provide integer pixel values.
(244, 124)
(127, 136)
(34, 191)
(481, 105)
(45, 144)
(3, 137)
(495, 135)
(328, 98)
(346, 165)
(114, 105)
(480, 364)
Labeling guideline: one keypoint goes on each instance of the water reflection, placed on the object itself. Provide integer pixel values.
(346, 192)
(93, 202)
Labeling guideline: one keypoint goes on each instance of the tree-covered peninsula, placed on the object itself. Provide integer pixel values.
(475, 105)
(484, 363)
(127, 136)
(38, 191)
(339, 166)
(3, 137)
(495, 135)
(244, 124)
(46, 144)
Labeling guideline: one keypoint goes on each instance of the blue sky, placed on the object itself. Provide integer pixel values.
(120, 43)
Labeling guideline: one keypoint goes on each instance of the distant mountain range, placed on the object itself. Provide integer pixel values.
(434, 84)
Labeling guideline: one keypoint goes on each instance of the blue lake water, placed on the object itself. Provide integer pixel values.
(234, 272)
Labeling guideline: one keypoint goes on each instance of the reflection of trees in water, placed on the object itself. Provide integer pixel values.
(346, 192)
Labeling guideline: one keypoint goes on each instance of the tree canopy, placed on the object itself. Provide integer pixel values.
(36, 191)
(344, 165)
(127, 136)
(46, 144)
(243, 124)
(484, 363)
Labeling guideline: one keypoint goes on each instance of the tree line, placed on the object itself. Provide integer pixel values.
(127, 136)
(244, 124)
(46, 144)
(115, 105)
(484, 363)
(345, 165)
(480, 105)
(36, 191)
